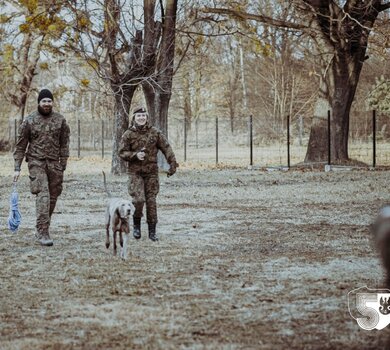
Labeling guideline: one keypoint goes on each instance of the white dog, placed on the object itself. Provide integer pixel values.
(118, 212)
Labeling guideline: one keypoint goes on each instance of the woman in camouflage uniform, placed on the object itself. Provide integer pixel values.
(139, 146)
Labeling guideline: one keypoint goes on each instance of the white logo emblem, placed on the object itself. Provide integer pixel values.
(370, 307)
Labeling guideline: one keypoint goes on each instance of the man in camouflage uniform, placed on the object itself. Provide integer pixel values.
(139, 146)
(45, 135)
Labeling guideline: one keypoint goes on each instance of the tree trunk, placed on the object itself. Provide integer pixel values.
(158, 104)
(28, 59)
(317, 147)
(157, 101)
(121, 124)
(336, 93)
(158, 93)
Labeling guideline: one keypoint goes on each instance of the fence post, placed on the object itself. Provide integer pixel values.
(216, 140)
(78, 138)
(102, 139)
(288, 141)
(185, 139)
(251, 139)
(374, 138)
(329, 155)
(93, 133)
(196, 132)
(300, 130)
(15, 132)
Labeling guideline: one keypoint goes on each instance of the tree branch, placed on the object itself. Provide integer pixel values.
(258, 18)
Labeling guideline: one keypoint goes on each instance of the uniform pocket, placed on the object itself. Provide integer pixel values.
(132, 185)
(136, 187)
(35, 185)
(152, 140)
(152, 186)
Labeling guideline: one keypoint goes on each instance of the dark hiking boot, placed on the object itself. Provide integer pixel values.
(137, 228)
(45, 240)
(152, 232)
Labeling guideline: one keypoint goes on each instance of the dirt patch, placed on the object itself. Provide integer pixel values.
(247, 260)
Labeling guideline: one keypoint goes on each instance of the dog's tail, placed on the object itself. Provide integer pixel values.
(105, 185)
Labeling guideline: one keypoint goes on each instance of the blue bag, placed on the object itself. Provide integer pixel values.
(14, 218)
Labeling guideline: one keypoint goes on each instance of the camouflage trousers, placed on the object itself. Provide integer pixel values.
(143, 188)
(46, 179)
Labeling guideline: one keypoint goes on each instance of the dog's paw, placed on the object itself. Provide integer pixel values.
(107, 245)
(123, 255)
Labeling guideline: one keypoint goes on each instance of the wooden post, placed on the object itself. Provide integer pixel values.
(288, 141)
(185, 139)
(329, 135)
(78, 138)
(216, 140)
(251, 140)
(15, 132)
(374, 138)
(102, 139)
(196, 131)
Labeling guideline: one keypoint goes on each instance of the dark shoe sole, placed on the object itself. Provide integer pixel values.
(38, 241)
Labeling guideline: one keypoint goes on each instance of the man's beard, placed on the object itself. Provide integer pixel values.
(43, 112)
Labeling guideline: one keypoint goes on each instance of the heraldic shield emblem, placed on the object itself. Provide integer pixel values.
(370, 307)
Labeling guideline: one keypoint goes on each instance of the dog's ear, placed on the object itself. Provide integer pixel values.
(132, 208)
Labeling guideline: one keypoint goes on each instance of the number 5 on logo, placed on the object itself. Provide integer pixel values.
(370, 307)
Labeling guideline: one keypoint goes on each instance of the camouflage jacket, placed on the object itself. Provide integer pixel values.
(150, 138)
(47, 138)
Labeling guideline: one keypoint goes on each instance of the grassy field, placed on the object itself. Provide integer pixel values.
(247, 260)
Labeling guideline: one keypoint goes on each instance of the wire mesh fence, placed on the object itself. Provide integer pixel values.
(240, 142)
(252, 143)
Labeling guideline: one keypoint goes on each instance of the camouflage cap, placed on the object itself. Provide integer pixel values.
(139, 109)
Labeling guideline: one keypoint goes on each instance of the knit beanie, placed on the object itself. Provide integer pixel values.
(45, 93)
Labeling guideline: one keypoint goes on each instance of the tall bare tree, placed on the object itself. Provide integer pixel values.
(158, 90)
(339, 32)
(130, 44)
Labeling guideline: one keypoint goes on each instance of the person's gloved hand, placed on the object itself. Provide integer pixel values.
(63, 162)
(172, 169)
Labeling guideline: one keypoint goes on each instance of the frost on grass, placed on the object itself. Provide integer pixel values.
(247, 260)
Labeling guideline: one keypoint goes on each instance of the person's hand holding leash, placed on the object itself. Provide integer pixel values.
(16, 175)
